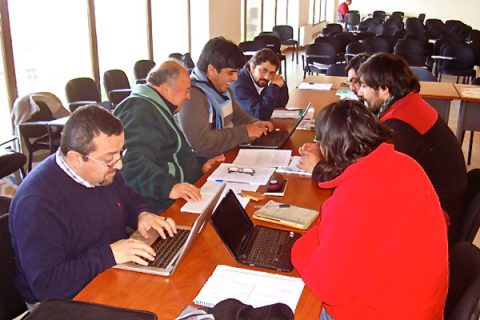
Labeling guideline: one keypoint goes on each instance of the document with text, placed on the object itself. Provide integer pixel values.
(263, 158)
(250, 287)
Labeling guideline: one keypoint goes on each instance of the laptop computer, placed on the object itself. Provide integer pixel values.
(252, 245)
(276, 138)
(171, 251)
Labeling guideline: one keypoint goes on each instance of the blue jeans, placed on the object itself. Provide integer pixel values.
(324, 315)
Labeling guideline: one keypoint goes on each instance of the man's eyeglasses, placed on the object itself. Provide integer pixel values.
(110, 165)
(249, 171)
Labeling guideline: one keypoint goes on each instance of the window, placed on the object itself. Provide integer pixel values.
(253, 16)
(268, 14)
(282, 12)
(121, 34)
(316, 12)
(170, 28)
(50, 44)
(5, 123)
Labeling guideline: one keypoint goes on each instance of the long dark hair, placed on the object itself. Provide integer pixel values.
(346, 131)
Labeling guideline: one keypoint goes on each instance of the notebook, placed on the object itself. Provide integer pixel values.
(276, 138)
(252, 245)
(170, 251)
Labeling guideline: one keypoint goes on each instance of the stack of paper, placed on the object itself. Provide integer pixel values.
(292, 167)
(286, 114)
(250, 287)
(315, 86)
(268, 158)
(208, 192)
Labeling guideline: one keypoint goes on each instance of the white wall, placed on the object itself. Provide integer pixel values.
(467, 11)
(225, 16)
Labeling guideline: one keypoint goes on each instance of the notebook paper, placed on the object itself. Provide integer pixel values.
(250, 287)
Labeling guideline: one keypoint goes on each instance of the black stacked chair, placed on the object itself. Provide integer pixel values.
(83, 91)
(285, 34)
(344, 38)
(413, 51)
(365, 24)
(141, 68)
(399, 14)
(333, 41)
(364, 35)
(11, 162)
(116, 86)
(355, 48)
(320, 53)
(379, 15)
(352, 20)
(337, 70)
(464, 282)
(391, 26)
(250, 47)
(11, 303)
(421, 17)
(461, 65)
(378, 44)
(414, 25)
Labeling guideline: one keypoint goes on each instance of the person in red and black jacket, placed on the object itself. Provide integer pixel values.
(342, 10)
(392, 93)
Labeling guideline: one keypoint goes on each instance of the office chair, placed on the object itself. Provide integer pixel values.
(464, 282)
(378, 44)
(116, 86)
(337, 70)
(285, 33)
(318, 57)
(352, 20)
(141, 69)
(413, 51)
(250, 47)
(462, 65)
(344, 38)
(11, 303)
(10, 162)
(83, 91)
(355, 48)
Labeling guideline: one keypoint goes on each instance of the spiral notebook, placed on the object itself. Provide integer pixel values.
(250, 287)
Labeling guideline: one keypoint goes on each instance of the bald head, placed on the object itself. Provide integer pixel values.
(172, 81)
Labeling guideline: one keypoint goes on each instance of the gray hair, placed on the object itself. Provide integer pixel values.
(167, 71)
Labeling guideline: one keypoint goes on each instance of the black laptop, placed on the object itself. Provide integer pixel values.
(252, 245)
(276, 138)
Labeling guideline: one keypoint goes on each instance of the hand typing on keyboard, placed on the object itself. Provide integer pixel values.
(258, 128)
(147, 221)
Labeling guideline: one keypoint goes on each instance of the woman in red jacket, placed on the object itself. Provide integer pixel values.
(379, 249)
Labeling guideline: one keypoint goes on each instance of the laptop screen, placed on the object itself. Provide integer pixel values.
(231, 222)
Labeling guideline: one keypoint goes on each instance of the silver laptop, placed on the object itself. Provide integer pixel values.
(276, 138)
(170, 251)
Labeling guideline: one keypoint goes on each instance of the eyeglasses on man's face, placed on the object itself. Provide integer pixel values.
(249, 171)
(110, 165)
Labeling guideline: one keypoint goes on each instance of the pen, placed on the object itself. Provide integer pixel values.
(279, 206)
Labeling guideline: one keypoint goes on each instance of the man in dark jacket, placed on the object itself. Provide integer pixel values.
(160, 164)
(259, 89)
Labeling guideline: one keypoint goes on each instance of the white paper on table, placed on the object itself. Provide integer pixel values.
(293, 167)
(208, 192)
(260, 177)
(236, 188)
(315, 86)
(263, 157)
(250, 287)
(286, 114)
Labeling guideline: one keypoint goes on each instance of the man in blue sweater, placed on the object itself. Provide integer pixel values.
(68, 217)
(259, 89)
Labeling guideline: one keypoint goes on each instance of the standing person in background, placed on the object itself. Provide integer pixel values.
(259, 89)
(342, 10)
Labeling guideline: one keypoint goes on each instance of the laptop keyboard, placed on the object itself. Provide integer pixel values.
(166, 249)
(271, 139)
(268, 246)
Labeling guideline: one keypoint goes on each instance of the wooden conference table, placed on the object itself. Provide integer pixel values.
(168, 296)
(437, 94)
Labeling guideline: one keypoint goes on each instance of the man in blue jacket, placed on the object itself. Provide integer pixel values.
(259, 89)
(68, 217)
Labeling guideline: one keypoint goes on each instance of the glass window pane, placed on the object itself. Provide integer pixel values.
(121, 34)
(170, 31)
(282, 12)
(253, 18)
(316, 12)
(5, 123)
(323, 9)
(49, 48)
(268, 15)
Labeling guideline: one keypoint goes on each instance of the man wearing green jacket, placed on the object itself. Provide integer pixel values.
(159, 163)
